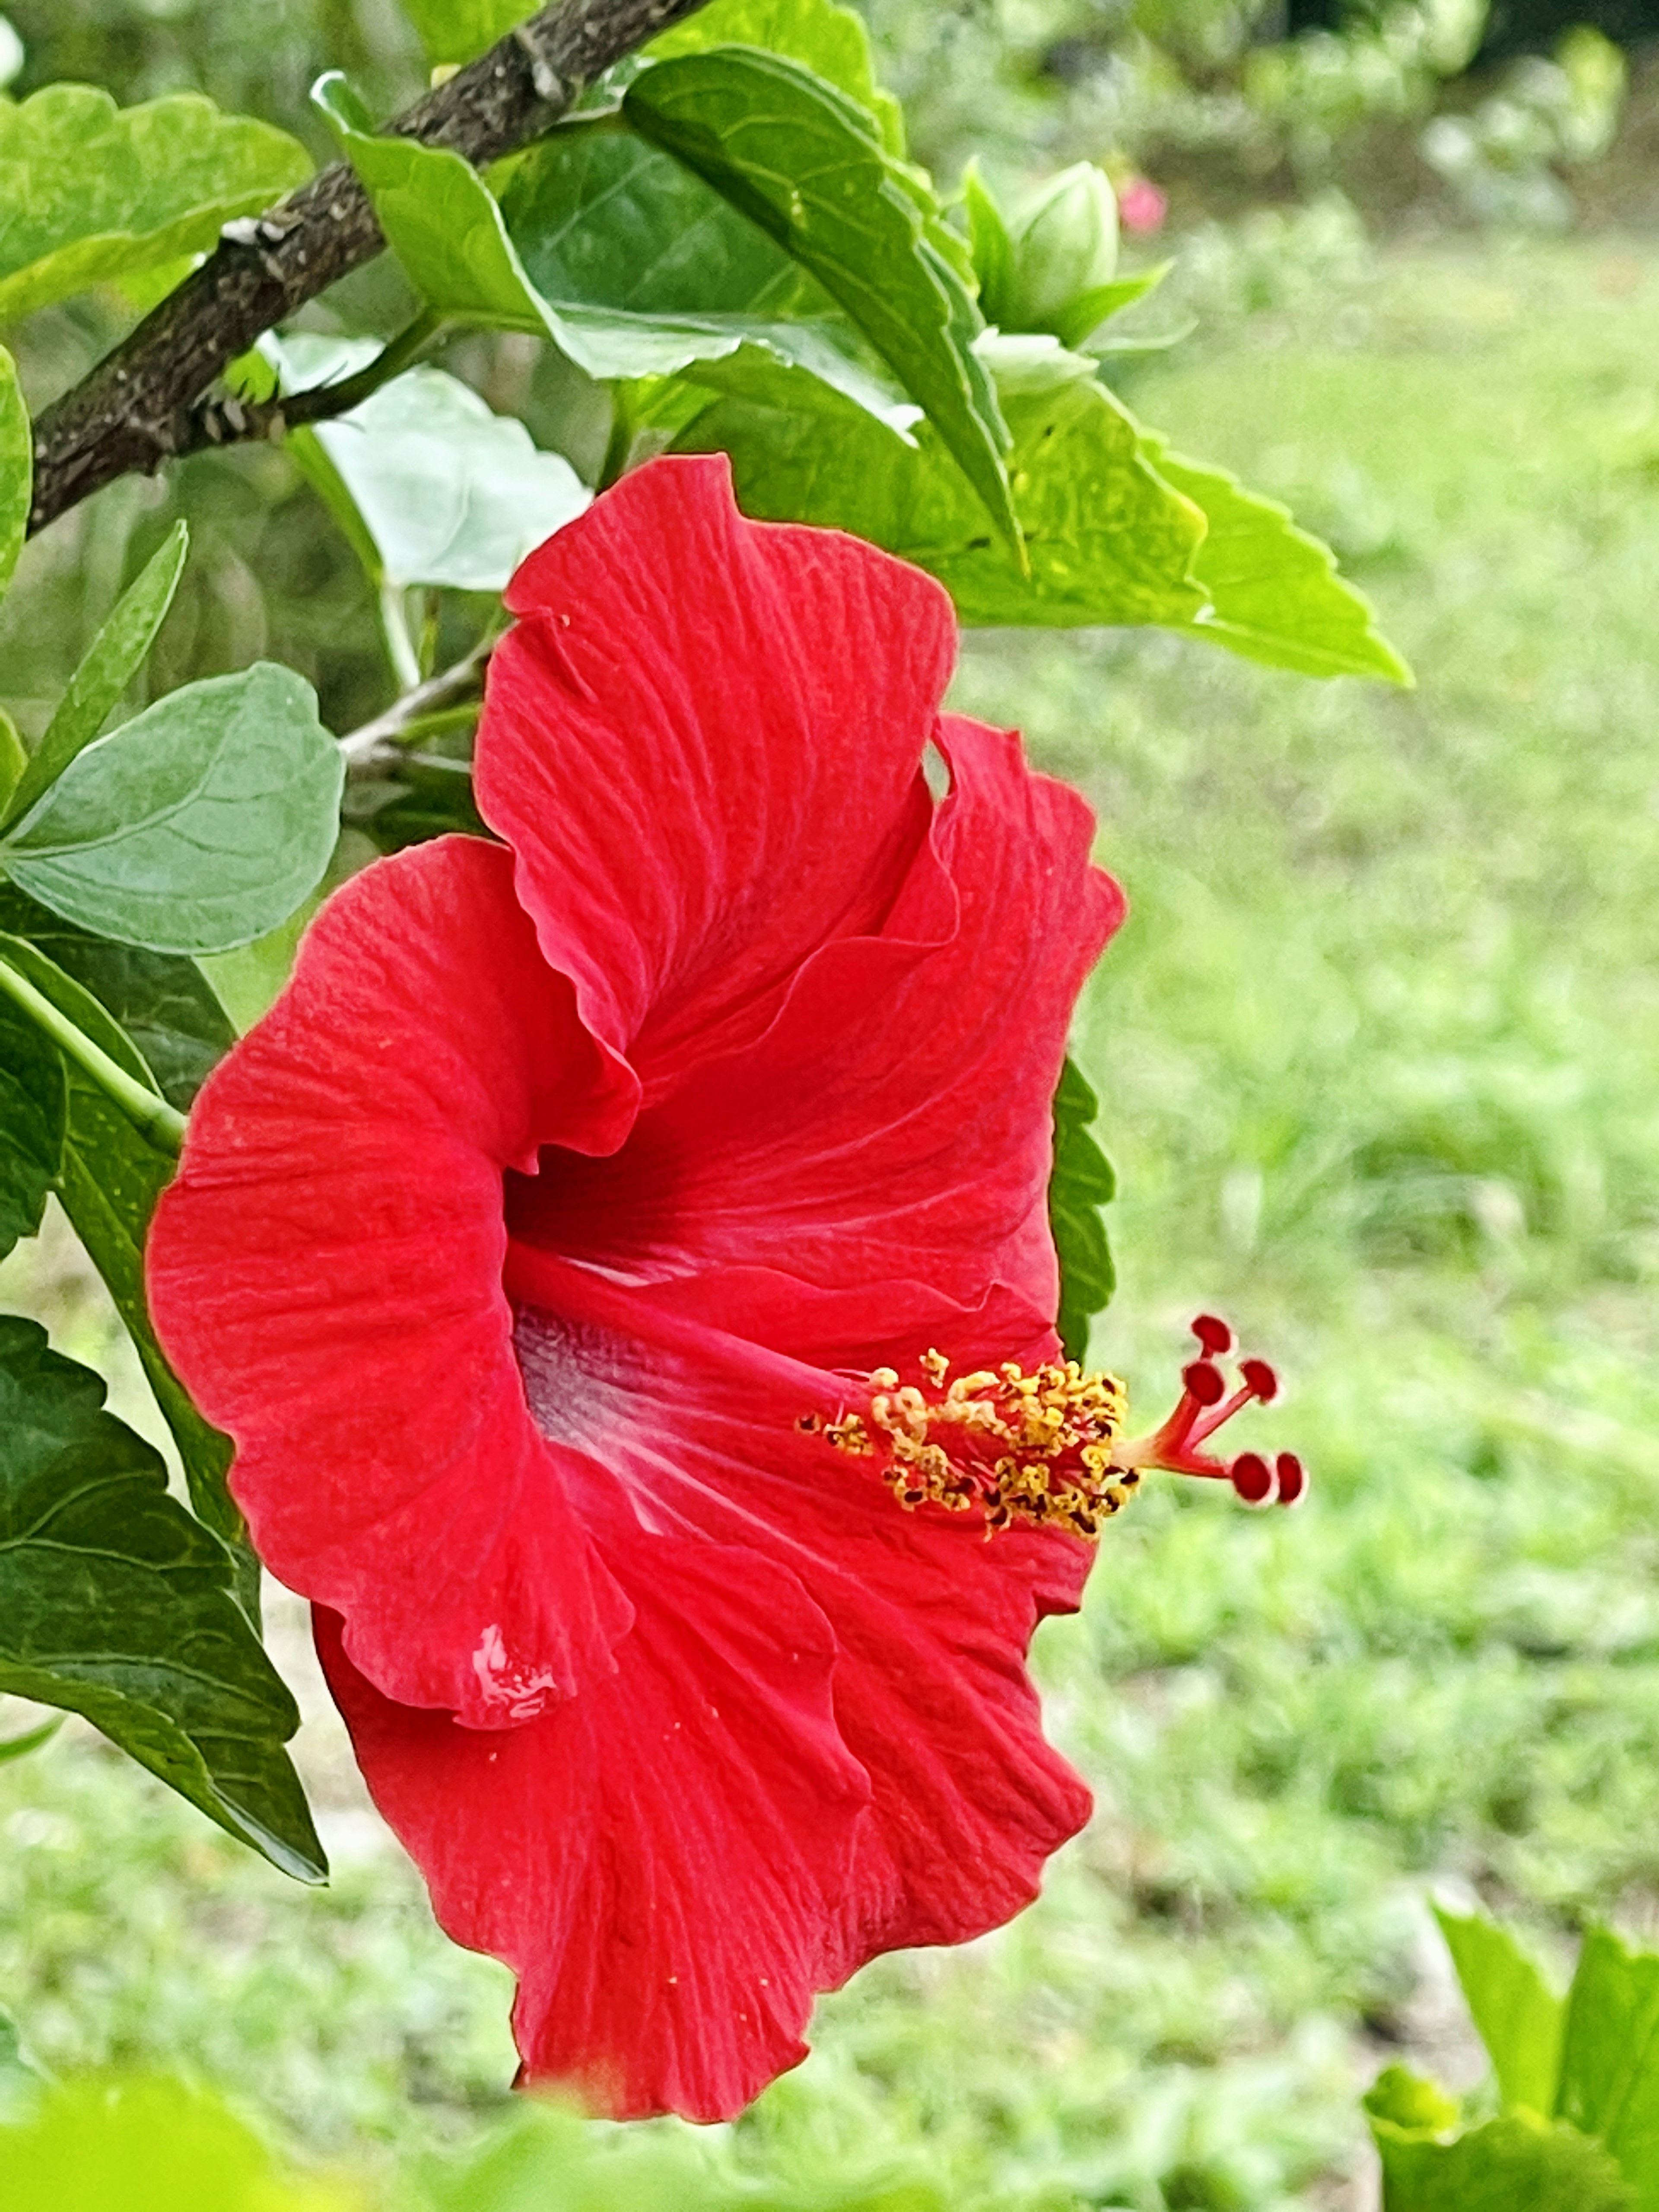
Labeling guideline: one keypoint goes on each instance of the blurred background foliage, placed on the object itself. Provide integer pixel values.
(1377, 1050)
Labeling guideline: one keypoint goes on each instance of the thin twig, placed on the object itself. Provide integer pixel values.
(376, 742)
(145, 404)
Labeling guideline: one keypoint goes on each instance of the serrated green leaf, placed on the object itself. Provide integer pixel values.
(1518, 2017)
(646, 268)
(1610, 2058)
(95, 689)
(116, 1604)
(1108, 540)
(1080, 1183)
(164, 1004)
(1275, 593)
(198, 825)
(16, 468)
(829, 40)
(801, 161)
(109, 1183)
(1515, 2164)
(33, 1116)
(89, 192)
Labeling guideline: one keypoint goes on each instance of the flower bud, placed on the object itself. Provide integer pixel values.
(1065, 244)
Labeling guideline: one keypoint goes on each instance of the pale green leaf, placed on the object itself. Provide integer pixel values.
(89, 192)
(1515, 2164)
(1518, 2017)
(95, 689)
(461, 30)
(16, 468)
(829, 40)
(1108, 540)
(20, 1747)
(116, 1604)
(198, 825)
(801, 161)
(1610, 2058)
(1080, 1183)
(1275, 593)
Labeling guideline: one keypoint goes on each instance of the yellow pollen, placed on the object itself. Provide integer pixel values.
(1035, 1449)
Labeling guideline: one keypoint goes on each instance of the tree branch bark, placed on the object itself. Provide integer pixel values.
(144, 403)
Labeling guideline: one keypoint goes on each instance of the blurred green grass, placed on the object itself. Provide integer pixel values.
(1377, 1052)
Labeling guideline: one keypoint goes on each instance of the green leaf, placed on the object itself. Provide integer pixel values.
(442, 489)
(1519, 2019)
(198, 825)
(33, 1114)
(1412, 2102)
(116, 1604)
(1108, 540)
(33, 1118)
(645, 269)
(1085, 315)
(17, 465)
(425, 796)
(990, 246)
(164, 1004)
(1610, 2058)
(1276, 597)
(461, 30)
(20, 1747)
(1079, 1184)
(1515, 2164)
(140, 2145)
(95, 689)
(799, 160)
(829, 40)
(110, 1181)
(90, 192)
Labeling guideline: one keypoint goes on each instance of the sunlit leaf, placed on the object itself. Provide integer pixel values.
(1610, 2056)
(1108, 540)
(829, 40)
(1276, 597)
(461, 30)
(1519, 2018)
(1515, 2164)
(801, 161)
(200, 824)
(89, 193)
(116, 1604)
(1079, 1184)
(140, 2145)
(112, 660)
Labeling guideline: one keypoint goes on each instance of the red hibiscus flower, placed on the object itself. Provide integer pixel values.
(579, 1253)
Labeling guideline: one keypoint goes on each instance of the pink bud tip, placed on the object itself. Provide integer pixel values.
(1292, 1478)
(1213, 1335)
(1260, 1379)
(1203, 1382)
(1252, 1477)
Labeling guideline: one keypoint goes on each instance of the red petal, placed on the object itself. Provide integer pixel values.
(703, 743)
(895, 1117)
(326, 1275)
(933, 1621)
(658, 1859)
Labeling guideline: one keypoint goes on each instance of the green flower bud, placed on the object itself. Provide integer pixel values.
(1065, 244)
